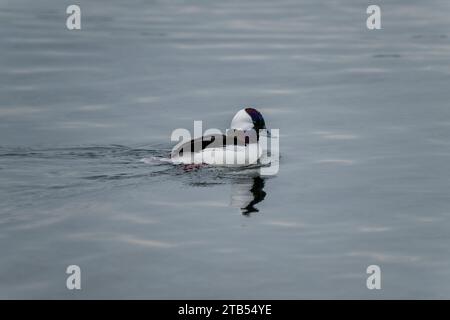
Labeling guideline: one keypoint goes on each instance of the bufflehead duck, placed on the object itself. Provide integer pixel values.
(239, 146)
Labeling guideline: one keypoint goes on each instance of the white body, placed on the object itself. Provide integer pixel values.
(226, 156)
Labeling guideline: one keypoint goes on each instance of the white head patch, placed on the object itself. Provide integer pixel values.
(242, 121)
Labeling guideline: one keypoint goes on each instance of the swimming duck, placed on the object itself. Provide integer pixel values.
(239, 146)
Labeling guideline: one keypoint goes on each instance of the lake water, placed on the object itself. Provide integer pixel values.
(365, 136)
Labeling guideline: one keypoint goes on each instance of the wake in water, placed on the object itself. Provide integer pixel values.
(34, 175)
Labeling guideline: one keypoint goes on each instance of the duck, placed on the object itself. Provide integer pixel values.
(240, 146)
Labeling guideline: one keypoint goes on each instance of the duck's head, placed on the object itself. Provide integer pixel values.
(248, 119)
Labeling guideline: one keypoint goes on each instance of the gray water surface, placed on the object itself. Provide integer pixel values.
(364, 174)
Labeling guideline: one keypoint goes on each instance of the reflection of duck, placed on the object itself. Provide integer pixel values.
(246, 194)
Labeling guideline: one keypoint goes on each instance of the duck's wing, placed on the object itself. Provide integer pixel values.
(209, 141)
(199, 144)
(213, 141)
